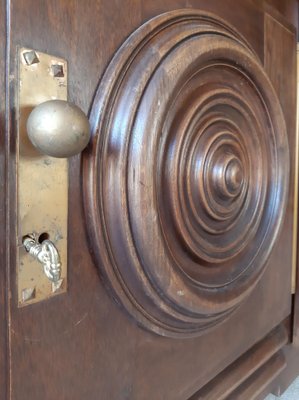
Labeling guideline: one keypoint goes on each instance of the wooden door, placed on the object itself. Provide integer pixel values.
(181, 209)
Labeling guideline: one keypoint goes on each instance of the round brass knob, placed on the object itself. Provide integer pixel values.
(58, 128)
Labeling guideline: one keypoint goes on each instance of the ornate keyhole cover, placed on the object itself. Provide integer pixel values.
(186, 177)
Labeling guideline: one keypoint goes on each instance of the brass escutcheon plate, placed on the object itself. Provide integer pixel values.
(42, 181)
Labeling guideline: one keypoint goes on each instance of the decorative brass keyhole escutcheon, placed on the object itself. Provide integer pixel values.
(50, 130)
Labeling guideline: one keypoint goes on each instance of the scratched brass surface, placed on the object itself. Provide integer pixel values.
(42, 181)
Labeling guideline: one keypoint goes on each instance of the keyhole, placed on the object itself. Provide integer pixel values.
(43, 236)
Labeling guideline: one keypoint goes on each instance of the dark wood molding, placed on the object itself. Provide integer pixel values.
(85, 333)
(4, 265)
(183, 193)
(251, 373)
(285, 16)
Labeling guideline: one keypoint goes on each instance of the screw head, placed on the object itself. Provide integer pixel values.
(31, 57)
(57, 70)
(28, 294)
(57, 285)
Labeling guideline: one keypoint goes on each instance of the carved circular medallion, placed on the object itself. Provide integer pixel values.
(186, 177)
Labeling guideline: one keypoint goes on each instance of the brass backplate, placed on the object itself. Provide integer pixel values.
(42, 181)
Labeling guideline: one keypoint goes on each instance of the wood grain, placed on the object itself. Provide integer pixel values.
(280, 63)
(247, 18)
(81, 344)
(234, 378)
(255, 385)
(4, 123)
(184, 182)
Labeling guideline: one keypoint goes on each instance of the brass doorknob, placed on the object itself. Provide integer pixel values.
(58, 128)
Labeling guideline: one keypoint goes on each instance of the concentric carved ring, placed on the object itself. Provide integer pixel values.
(186, 178)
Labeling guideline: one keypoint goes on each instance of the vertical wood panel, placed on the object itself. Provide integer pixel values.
(280, 64)
(4, 378)
(286, 8)
(66, 348)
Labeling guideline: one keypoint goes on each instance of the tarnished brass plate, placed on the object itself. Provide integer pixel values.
(42, 181)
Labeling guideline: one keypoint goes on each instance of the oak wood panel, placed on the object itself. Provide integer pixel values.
(226, 383)
(236, 376)
(280, 64)
(248, 19)
(289, 374)
(255, 385)
(288, 9)
(184, 192)
(282, 32)
(84, 333)
(73, 29)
